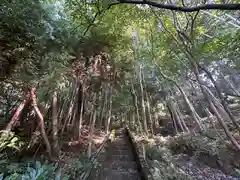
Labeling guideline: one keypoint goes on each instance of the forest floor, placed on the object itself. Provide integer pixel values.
(73, 161)
(198, 170)
(74, 154)
(166, 161)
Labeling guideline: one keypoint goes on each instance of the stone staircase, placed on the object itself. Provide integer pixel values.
(120, 162)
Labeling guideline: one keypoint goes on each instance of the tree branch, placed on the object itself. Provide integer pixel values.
(99, 12)
(183, 8)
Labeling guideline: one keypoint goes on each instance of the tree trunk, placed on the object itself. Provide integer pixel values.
(228, 133)
(217, 104)
(150, 120)
(178, 118)
(180, 115)
(109, 111)
(81, 114)
(41, 121)
(211, 117)
(142, 102)
(105, 92)
(78, 108)
(16, 115)
(60, 113)
(194, 114)
(173, 118)
(149, 113)
(220, 119)
(134, 96)
(175, 115)
(69, 112)
(133, 121)
(92, 126)
(55, 125)
(223, 102)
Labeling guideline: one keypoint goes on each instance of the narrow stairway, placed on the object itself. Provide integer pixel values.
(120, 162)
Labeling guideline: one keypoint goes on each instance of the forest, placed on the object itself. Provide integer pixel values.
(72, 72)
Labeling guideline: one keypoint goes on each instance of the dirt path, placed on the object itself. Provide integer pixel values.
(120, 161)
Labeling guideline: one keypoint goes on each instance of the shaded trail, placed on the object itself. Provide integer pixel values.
(120, 162)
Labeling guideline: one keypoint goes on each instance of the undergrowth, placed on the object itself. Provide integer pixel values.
(12, 169)
(38, 171)
(206, 147)
(9, 141)
(161, 166)
(209, 149)
(43, 171)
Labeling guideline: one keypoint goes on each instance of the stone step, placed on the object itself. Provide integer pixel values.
(120, 141)
(120, 134)
(128, 154)
(120, 144)
(119, 175)
(122, 157)
(119, 148)
(120, 165)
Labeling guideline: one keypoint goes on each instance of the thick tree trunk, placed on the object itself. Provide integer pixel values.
(55, 125)
(41, 121)
(16, 115)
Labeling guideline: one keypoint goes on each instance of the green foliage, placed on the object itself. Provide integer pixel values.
(8, 167)
(38, 172)
(8, 140)
(208, 149)
(40, 40)
(82, 165)
(161, 164)
(198, 144)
